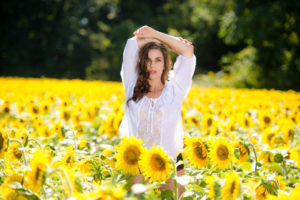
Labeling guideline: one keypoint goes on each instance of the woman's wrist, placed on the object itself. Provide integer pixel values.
(156, 34)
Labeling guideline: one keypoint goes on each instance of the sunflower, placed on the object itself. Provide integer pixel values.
(295, 194)
(287, 127)
(128, 155)
(14, 152)
(281, 182)
(262, 192)
(6, 188)
(192, 121)
(279, 142)
(57, 128)
(112, 124)
(74, 180)
(12, 194)
(155, 164)
(107, 191)
(213, 187)
(267, 136)
(288, 134)
(221, 153)
(244, 121)
(266, 157)
(208, 122)
(68, 159)
(65, 114)
(243, 152)
(37, 175)
(22, 135)
(197, 152)
(44, 131)
(231, 190)
(3, 142)
(265, 120)
(85, 166)
(295, 155)
(45, 107)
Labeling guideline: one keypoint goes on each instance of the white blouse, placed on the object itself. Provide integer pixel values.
(156, 120)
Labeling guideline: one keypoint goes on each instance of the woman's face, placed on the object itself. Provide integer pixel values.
(155, 65)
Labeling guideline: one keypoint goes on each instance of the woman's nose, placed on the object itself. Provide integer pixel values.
(151, 64)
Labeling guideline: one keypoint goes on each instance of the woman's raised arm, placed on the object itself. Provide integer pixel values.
(143, 40)
(176, 44)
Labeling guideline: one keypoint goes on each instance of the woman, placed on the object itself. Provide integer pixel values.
(153, 103)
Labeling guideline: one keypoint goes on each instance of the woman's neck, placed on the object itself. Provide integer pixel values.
(156, 85)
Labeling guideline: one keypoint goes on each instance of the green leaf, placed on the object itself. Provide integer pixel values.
(246, 166)
(63, 131)
(275, 167)
(236, 153)
(167, 194)
(198, 189)
(269, 187)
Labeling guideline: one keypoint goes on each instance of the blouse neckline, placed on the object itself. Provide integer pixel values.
(155, 99)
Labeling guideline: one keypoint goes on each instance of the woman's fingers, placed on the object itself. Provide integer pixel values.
(144, 31)
(184, 40)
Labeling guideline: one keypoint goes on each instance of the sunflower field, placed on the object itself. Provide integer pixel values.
(59, 140)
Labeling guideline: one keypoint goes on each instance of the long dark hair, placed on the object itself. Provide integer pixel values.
(142, 85)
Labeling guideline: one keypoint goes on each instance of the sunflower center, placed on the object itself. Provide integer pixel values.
(194, 120)
(291, 133)
(209, 121)
(232, 187)
(1, 141)
(270, 136)
(131, 156)
(158, 162)
(222, 152)
(198, 150)
(231, 128)
(37, 173)
(68, 160)
(6, 109)
(267, 119)
(246, 122)
(243, 150)
(17, 153)
(269, 157)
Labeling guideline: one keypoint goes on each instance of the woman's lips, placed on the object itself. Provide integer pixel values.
(152, 72)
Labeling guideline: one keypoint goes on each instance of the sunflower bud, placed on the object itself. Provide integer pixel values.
(278, 158)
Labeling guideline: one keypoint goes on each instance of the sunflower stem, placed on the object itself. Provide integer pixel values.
(66, 178)
(254, 151)
(284, 171)
(74, 138)
(37, 142)
(22, 150)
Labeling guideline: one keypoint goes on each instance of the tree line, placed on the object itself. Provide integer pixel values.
(256, 41)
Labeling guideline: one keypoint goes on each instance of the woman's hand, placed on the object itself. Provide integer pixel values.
(145, 31)
(184, 41)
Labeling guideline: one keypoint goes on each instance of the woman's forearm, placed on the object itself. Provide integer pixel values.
(143, 40)
(175, 44)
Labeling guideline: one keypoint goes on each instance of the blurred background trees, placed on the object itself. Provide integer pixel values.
(248, 43)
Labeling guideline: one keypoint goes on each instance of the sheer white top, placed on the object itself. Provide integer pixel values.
(156, 120)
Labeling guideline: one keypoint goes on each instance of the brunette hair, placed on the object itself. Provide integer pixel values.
(142, 85)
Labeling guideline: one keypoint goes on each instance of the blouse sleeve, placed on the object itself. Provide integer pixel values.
(128, 71)
(184, 69)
